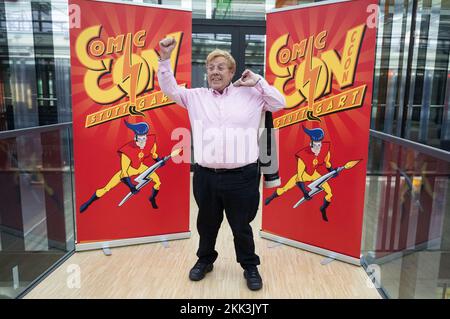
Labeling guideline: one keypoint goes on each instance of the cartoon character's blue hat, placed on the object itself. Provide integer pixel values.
(138, 128)
(316, 134)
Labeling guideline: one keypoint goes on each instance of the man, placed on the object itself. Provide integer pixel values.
(221, 180)
(311, 164)
(132, 158)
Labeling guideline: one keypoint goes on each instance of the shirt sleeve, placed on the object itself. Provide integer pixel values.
(169, 86)
(273, 99)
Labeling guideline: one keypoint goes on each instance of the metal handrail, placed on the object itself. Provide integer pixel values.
(431, 151)
(32, 130)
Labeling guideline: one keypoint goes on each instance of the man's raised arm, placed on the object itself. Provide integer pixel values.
(274, 100)
(166, 79)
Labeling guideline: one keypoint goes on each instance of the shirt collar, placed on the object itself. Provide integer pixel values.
(225, 91)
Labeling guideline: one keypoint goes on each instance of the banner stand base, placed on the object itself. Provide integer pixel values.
(327, 261)
(106, 250)
(165, 243)
(327, 253)
(131, 241)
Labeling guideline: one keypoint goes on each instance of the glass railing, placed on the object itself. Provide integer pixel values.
(36, 211)
(406, 236)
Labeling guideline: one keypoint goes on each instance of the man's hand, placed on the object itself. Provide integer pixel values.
(166, 46)
(248, 78)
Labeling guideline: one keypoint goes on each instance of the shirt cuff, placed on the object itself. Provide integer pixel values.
(261, 85)
(164, 65)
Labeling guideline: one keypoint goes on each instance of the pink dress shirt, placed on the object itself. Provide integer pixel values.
(225, 126)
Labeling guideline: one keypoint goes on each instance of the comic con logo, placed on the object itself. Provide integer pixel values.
(304, 73)
(131, 73)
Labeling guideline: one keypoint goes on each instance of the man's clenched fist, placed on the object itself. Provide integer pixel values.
(166, 46)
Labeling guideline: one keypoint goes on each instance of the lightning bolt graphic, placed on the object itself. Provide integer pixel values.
(310, 75)
(316, 186)
(131, 72)
(144, 178)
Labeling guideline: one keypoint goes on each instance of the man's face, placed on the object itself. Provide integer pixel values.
(141, 140)
(316, 146)
(219, 73)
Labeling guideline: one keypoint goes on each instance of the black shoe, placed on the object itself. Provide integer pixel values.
(199, 271)
(254, 280)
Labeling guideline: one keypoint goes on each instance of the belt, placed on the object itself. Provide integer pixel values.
(229, 170)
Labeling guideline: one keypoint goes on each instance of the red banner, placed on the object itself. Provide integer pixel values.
(321, 57)
(122, 122)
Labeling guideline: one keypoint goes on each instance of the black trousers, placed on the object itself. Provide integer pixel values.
(235, 191)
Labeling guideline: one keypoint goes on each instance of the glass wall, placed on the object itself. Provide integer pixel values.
(229, 9)
(34, 59)
(244, 40)
(412, 71)
(406, 238)
(36, 215)
(407, 221)
(254, 57)
(202, 45)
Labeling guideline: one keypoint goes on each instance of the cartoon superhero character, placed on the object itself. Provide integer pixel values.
(132, 158)
(313, 161)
